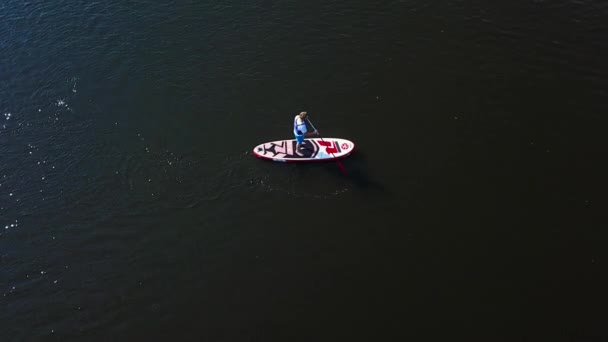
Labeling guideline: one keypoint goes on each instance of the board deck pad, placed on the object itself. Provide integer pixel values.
(314, 149)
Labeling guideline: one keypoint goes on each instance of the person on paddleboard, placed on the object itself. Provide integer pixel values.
(299, 129)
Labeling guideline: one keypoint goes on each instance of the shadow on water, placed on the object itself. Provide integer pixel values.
(357, 173)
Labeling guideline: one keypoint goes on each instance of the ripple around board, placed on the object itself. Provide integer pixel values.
(319, 181)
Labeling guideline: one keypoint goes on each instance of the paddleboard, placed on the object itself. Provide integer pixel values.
(313, 149)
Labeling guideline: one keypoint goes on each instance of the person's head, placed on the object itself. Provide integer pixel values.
(303, 115)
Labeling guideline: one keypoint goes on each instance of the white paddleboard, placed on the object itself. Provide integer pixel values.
(313, 149)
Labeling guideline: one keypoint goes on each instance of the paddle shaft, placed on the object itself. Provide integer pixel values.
(337, 160)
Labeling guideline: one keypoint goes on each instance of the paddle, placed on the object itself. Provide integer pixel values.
(337, 160)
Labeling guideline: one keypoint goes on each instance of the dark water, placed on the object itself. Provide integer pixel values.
(474, 208)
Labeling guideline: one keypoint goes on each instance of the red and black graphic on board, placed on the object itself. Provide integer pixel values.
(287, 149)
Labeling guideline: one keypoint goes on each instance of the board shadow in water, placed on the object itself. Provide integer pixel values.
(357, 173)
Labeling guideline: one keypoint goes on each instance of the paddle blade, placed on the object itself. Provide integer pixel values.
(341, 166)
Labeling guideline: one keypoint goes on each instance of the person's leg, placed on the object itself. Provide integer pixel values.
(300, 140)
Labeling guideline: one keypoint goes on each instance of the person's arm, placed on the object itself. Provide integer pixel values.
(309, 133)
